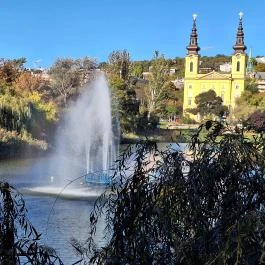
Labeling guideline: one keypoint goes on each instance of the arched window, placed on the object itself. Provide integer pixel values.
(191, 66)
(238, 66)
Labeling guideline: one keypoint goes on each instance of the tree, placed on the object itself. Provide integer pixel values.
(248, 103)
(11, 69)
(19, 240)
(137, 69)
(119, 62)
(28, 83)
(68, 75)
(124, 100)
(209, 104)
(158, 84)
(252, 86)
(163, 209)
(256, 121)
(260, 67)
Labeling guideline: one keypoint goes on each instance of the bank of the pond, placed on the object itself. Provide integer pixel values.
(21, 149)
(159, 135)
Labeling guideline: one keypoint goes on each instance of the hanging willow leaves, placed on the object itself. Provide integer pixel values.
(155, 214)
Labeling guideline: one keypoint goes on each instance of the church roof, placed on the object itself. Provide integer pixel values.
(214, 76)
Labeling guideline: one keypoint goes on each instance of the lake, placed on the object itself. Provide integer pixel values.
(58, 219)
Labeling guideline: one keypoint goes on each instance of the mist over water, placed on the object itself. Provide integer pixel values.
(85, 141)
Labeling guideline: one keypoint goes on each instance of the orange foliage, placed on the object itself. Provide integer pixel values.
(28, 83)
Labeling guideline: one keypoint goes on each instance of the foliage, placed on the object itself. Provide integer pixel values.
(256, 121)
(173, 103)
(252, 86)
(213, 63)
(147, 123)
(119, 63)
(28, 83)
(10, 70)
(156, 213)
(48, 108)
(19, 240)
(209, 104)
(260, 67)
(124, 99)
(158, 85)
(13, 138)
(68, 75)
(179, 64)
(137, 69)
(187, 120)
(248, 103)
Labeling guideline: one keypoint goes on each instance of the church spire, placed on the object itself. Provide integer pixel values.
(240, 47)
(193, 47)
(250, 67)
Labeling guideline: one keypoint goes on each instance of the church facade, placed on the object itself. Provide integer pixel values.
(227, 86)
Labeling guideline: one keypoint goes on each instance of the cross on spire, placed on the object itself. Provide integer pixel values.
(240, 47)
(193, 47)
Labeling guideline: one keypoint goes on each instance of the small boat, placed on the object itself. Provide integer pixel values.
(101, 178)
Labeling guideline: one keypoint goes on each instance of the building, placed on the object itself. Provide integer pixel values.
(260, 59)
(226, 67)
(228, 86)
(260, 80)
(250, 67)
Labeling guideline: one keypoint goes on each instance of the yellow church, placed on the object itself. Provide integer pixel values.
(228, 86)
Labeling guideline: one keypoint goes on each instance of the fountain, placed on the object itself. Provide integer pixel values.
(85, 144)
(86, 136)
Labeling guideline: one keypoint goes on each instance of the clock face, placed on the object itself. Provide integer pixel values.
(238, 56)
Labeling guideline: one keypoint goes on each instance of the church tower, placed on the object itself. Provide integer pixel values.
(227, 86)
(192, 58)
(238, 72)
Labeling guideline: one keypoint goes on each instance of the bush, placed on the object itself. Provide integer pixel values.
(144, 123)
(256, 121)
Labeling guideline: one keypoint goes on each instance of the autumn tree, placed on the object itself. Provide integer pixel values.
(256, 121)
(260, 67)
(28, 83)
(11, 69)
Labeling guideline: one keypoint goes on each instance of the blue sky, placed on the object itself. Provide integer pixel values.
(43, 30)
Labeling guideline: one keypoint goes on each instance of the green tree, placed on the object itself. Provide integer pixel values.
(252, 86)
(120, 63)
(137, 69)
(209, 104)
(124, 96)
(158, 84)
(248, 103)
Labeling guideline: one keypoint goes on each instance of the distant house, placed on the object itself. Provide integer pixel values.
(172, 71)
(260, 59)
(260, 76)
(179, 83)
(145, 75)
(226, 67)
